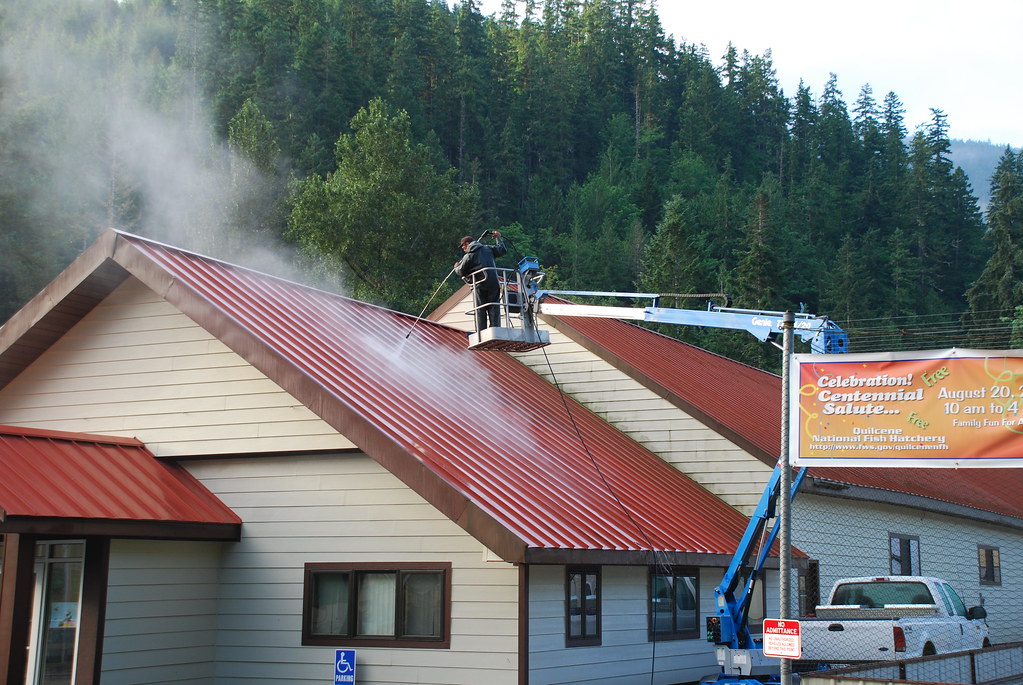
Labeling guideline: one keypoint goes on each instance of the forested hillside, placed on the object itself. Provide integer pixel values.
(360, 139)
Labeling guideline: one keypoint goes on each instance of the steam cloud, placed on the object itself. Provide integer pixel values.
(123, 129)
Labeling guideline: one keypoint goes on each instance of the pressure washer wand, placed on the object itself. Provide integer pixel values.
(419, 318)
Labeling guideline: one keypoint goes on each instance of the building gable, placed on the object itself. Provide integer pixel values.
(146, 370)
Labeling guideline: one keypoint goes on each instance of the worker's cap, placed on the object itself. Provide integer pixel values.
(465, 239)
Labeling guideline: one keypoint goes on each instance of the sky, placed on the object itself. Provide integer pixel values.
(963, 58)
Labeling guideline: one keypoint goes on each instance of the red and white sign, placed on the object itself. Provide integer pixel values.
(781, 638)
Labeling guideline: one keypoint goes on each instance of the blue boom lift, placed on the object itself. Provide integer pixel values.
(739, 654)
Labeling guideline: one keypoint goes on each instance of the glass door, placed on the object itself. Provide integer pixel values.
(57, 603)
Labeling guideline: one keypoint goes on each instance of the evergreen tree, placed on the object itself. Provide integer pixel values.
(998, 291)
(604, 253)
(389, 216)
(843, 296)
(677, 259)
(944, 222)
(802, 150)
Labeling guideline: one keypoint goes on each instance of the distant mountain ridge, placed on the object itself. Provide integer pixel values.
(978, 159)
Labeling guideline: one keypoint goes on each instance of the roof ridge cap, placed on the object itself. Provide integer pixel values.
(30, 432)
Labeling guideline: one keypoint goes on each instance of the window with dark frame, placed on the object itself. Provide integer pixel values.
(674, 604)
(377, 604)
(989, 564)
(809, 584)
(582, 604)
(904, 554)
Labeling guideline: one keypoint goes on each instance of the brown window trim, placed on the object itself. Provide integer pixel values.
(16, 591)
(312, 568)
(674, 571)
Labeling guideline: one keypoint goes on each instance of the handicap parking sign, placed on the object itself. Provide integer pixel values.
(344, 666)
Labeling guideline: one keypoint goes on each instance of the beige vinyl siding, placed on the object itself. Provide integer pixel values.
(459, 316)
(137, 367)
(161, 612)
(626, 656)
(347, 508)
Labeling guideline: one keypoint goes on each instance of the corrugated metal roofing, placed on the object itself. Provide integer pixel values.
(745, 404)
(478, 434)
(50, 474)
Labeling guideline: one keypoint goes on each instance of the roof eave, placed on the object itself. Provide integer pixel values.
(59, 306)
(120, 528)
(636, 557)
(826, 487)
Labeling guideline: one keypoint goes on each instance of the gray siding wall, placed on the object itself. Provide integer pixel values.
(161, 614)
(626, 656)
(850, 538)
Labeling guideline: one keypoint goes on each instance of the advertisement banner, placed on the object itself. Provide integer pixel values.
(946, 408)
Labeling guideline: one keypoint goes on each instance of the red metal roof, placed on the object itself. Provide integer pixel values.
(479, 435)
(744, 404)
(53, 475)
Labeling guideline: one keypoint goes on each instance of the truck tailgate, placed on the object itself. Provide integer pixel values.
(837, 640)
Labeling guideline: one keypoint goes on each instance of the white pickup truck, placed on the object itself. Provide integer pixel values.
(891, 617)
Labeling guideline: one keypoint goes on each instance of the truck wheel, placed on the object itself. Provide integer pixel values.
(929, 650)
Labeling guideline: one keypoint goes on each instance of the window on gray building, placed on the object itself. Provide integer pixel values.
(582, 603)
(674, 603)
(989, 565)
(904, 557)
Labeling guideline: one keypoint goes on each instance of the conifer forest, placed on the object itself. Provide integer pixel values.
(351, 143)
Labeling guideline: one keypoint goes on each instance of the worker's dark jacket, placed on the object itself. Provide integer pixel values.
(478, 257)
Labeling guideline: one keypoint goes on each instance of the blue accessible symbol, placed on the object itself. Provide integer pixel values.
(344, 666)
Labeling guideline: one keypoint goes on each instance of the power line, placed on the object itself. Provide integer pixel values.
(990, 329)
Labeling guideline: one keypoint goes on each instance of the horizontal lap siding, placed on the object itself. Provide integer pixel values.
(137, 367)
(346, 508)
(161, 612)
(625, 656)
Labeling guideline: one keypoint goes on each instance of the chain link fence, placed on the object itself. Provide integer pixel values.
(969, 595)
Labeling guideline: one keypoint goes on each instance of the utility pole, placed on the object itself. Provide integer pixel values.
(785, 491)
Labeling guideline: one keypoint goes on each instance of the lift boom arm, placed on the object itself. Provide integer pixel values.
(824, 335)
(732, 627)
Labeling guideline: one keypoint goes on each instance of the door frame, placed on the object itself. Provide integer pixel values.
(16, 604)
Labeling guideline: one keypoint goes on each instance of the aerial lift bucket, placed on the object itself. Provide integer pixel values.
(517, 303)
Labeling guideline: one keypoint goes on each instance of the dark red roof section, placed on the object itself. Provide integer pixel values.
(60, 477)
(744, 404)
(479, 435)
